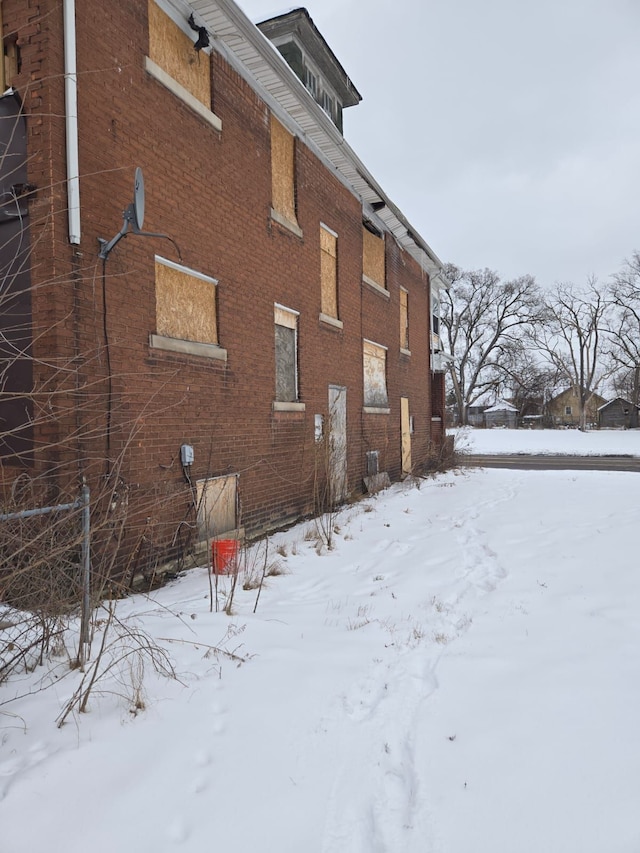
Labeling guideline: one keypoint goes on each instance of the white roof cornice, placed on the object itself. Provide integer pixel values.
(251, 54)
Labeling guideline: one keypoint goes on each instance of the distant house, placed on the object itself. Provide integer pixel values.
(475, 415)
(618, 414)
(501, 415)
(564, 408)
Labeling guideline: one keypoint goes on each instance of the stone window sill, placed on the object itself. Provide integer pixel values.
(187, 347)
(286, 223)
(331, 321)
(288, 407)
(381, 291)
(406, 352)
(376, 410)
(179, 91)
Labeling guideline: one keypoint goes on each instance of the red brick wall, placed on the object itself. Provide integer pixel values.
(211, 191)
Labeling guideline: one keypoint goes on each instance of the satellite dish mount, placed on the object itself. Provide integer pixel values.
(133, 219)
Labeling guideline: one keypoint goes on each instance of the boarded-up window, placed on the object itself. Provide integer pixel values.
(286, 330)
(11, 61)
(217, 501)
(373, 257)
(173, 51)
(404, 319)
(375, 374)
(329, 271)
(283, 192)
(185, 303)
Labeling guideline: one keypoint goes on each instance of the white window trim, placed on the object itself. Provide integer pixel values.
(284, 406)
(375, 286)
(178, 345)
(179, 91)
(329, 230)
(177, 16)
(331, 321)
(287, 310)
(286, 223)
(375, 344)
(181, 268)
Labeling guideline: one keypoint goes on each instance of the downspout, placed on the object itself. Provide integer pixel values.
(71, 120)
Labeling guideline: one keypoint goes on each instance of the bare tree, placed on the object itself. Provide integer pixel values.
(483, 318)
(623, 329)
(571, 339)
(526, 380)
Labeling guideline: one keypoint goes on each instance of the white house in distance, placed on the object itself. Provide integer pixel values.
(501, 414)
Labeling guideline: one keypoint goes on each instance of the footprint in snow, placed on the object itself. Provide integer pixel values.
(203, 758)
(178, 831)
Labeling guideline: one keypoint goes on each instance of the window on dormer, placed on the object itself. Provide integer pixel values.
(327, 103)
(311, 82)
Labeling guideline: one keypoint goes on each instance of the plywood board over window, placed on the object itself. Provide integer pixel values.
(172, 49)
(374, 359)
(283, 194)
(329, 271)
(373, 267)
(185, 303)
(404, 319)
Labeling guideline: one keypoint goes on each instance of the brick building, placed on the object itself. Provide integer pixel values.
(275, 346)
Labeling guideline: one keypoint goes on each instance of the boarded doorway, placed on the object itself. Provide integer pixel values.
(405, 431)
(337, 443)
(217, 506)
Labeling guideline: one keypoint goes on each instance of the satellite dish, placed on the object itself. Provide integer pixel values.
(138, 198)
(132, 218)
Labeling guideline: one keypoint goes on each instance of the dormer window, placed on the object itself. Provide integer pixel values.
(328, 104)
(311, 82)
(311, 59)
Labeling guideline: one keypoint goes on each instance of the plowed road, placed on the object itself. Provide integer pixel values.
(545, 462)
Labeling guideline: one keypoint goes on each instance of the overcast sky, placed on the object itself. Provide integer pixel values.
(508, 132)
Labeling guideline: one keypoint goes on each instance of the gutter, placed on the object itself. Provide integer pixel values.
(393, 219)
(71, 120)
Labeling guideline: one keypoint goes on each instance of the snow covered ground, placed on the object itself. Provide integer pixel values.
(546, 441)
(459, 674)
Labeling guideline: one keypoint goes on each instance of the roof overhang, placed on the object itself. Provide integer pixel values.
(253, 56)
(299, 23)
